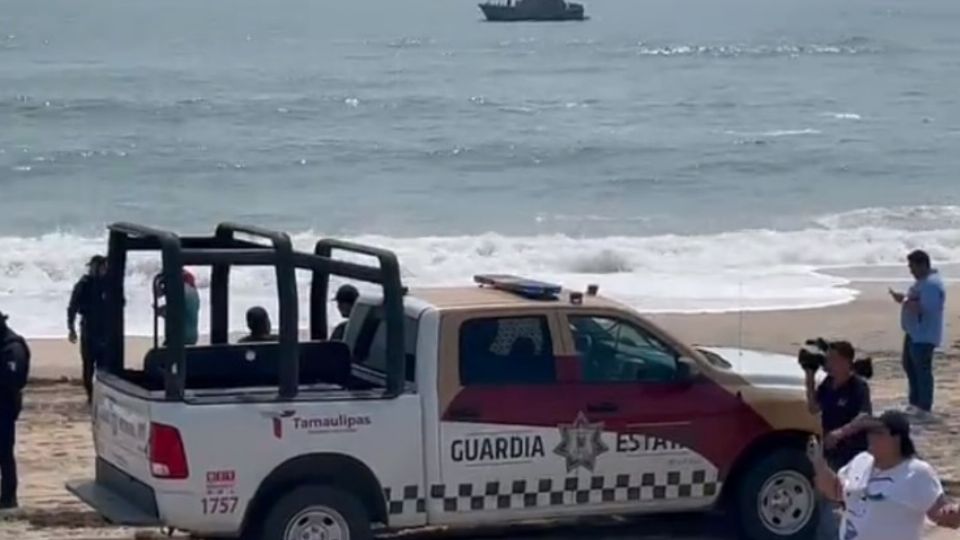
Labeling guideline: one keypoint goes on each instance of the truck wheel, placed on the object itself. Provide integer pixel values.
(776, 499)
(317, 513)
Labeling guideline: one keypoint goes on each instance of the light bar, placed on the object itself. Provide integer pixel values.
(528, 288)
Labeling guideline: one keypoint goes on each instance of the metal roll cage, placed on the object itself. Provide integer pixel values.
(224, 250)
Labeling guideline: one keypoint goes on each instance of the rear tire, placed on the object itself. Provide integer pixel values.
(317, 512)
(776, 499)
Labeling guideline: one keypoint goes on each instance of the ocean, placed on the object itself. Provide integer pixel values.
(686, 155)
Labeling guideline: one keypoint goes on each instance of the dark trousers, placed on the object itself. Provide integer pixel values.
(8, 461)
(917, 359)
(91, 351)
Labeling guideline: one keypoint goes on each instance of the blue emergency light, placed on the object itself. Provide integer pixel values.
(527, 288)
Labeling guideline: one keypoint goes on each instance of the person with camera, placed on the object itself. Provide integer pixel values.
(843, 402)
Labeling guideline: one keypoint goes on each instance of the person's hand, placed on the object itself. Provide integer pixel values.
(832, 439)
(72, 336)
(897, 297)
(814, 451)
(949, 516)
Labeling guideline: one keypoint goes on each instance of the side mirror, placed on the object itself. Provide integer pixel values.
(687, 369)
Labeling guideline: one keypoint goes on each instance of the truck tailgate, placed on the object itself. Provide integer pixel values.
(121, 431)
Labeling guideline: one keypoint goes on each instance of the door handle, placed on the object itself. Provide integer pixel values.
(605, 407)
(464, 413)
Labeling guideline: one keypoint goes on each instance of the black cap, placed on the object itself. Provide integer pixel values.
(898, 425)
(347, 294)
(3, 316)
(96, 260)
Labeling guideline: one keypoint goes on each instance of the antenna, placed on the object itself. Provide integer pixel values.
(740, 322)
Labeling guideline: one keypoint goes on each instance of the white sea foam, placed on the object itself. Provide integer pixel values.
(749, 269)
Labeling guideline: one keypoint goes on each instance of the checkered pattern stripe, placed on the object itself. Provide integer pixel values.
(519, 494)
(408, 500)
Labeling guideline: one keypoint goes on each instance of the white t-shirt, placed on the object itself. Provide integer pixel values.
(887, 505)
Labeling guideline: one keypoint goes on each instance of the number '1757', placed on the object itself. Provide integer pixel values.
(219, 505)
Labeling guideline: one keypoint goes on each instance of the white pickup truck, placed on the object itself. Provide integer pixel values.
(508, 401)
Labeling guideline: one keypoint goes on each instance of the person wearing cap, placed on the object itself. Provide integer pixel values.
(346, 297)
(843, 402)
(89, 301)
(14, 371)
(921, 318)
(887, 492)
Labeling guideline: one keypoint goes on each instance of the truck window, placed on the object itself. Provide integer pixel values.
(370, 345)
(506, 350)
(614, 350)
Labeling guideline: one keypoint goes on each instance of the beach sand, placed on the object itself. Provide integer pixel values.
(55, 443)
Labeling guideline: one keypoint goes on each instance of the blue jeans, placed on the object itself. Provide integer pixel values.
(917, 361)
(828, 526)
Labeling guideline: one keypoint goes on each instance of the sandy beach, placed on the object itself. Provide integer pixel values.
(55, 443)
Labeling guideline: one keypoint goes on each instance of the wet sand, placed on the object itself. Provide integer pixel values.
(55, 443)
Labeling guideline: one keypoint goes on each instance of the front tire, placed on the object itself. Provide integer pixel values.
(776, 500)
(317, 513)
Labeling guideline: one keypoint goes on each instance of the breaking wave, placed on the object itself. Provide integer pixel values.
(747, 269)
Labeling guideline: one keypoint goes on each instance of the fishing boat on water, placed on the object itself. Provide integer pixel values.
(533, 10)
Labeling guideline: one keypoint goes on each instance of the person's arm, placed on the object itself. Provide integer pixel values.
(813, 393)
(930, 300)
(945, 513)
(827, 482)
(859, 423)
(73, 308)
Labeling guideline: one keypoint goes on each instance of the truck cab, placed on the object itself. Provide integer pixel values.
(504, 401)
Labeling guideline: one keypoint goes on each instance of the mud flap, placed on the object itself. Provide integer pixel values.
(111, 505)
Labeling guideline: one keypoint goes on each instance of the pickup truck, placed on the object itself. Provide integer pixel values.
(509, 400)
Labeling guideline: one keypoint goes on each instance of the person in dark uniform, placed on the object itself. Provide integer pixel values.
(843, 402)
(346, 297)
(14, 370)
(89, 301)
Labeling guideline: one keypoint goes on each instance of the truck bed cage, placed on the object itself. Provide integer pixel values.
(224, 250)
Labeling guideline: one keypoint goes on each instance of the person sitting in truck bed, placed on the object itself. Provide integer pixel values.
(258, 322)
(346, 297)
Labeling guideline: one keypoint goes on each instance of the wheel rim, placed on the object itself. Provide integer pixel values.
(786, 503)
(317, 523)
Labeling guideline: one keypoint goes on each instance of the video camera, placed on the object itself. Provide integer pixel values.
(813, 356)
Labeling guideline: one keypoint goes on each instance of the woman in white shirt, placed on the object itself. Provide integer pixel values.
(887, 492)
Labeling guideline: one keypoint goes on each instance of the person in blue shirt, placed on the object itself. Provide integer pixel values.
(191, 305)
(921, 318)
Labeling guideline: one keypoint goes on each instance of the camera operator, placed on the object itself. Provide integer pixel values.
(843, 402)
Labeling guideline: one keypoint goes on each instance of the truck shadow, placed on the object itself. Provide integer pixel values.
(673, 527)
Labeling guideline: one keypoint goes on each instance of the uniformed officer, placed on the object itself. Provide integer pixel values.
(14, 370)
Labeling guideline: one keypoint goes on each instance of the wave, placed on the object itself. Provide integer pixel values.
(843, 48)
(746, 269)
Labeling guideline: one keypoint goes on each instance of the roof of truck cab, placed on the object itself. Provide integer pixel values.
(445, 298)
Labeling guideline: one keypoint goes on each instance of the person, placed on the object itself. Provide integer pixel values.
(14, 371)
(191, 305)
(346, 298)
(921, 318)
(887, 492)
(843, 402)
(89, 301)
(258, 322)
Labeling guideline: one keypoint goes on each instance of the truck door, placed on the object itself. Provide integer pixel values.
(499, 406)
(665, 428)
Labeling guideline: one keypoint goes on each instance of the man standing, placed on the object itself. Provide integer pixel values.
(921, 317)
(14, 371)
(89, 301)
(844, 404)
(346, 297)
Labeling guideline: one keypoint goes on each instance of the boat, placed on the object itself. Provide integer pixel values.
(533, 10)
